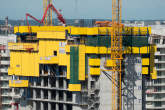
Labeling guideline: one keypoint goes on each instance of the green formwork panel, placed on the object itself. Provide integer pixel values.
(74, 65)
(98, 41)
(86, 65)
(137, 41)
(104, 41)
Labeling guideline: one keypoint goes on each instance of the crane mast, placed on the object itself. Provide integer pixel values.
(48, 19)
(116, 54)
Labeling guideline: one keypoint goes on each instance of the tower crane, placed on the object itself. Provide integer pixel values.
(48, 18)
(116, 54)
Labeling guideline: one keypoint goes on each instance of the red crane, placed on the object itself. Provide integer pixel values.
(59, 16)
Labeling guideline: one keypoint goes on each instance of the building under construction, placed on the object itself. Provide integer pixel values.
(65, 67)
(69, 68)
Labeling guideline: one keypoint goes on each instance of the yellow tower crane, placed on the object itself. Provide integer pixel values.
(48, 19)
(116, 54)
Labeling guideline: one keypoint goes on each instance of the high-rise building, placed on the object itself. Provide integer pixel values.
(155, 89)
(5, 90)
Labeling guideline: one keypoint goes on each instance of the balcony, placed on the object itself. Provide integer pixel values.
(161, 77)
(4, 70)
(2, 62)
(6, 102)
(23, 46)
(158, 53)
(149, 98)
(6, 94)
(157, 61)
(5, 54)
(153, 107)
(160, 69)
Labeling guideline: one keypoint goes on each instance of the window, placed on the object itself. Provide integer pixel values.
(159, 73)
(157, 41)
(158, 66)
(163, 41)
(55, 53)
(157, 81)
(157, 89)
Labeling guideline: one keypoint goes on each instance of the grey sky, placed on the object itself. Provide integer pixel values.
(132, 9)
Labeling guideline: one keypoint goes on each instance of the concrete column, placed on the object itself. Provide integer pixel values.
(48, 71)
(65, 84)
(42, 106)
(49, 94)
(42, 72)
(57, 95)
(34, 93)
(42, 94)
(34, 105)
(12, 106)
(49, 84)
(35, 83)
(57, 83)
(49, 106)
(74, 98)
(65, 95)
(42, 82)
(57, 106)
(64, 107)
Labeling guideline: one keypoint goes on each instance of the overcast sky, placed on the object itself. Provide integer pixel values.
(132, 9)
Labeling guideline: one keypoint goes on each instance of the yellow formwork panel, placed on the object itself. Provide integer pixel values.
(63, 59)
(78, 31)
(51, 35)
(92, 31)
(10, 71)
(83, 30)
(15, 62)
(154, 74)
(74, 87)
(94, 62)
(23, 46)
(110, 63)
(68, 66)
(81, 62)
(135, 50)
(35, 29)
(145, 61)
(129, 50)
(137, 30)
(144, 70)
(67, 48)
(102, 50)
(48, 47)
(91, 50)
(94, 71)
(105, 30)
(18, 83)
(144, 50)
(24, 65)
